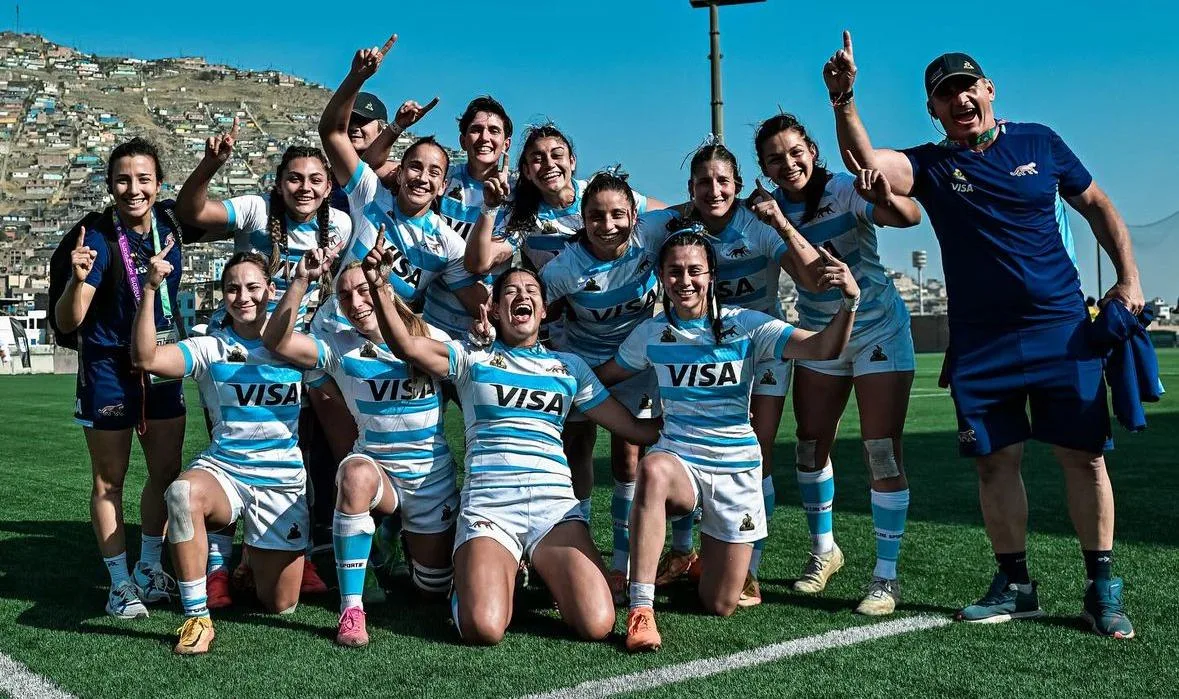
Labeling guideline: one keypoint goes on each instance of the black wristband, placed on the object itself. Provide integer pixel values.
(838, 99)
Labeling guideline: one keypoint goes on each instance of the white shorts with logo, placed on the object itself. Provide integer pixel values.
(428, 505)
(639, 393)
(883, 347)
(517, 517)
(733, 510)
(771, 378)
(276, 519)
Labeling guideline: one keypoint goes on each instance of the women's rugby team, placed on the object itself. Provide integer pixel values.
(549, 305)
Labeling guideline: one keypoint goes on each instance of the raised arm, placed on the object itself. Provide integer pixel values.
(618, 420)
(839, 74)
(484, 253)
(333, 125)
(800, 261)
(1110, 230)
(428, 354)
(279, 335)
(167, 360)
(75, 299)
(888, 208)
(193, 205)
(829, 342)
(408, 114)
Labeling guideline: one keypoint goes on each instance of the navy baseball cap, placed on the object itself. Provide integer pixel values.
(370, 106)
(947, 66)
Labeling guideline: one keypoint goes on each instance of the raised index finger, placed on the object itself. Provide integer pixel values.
(164, 253)
(81, 238)
(760, 187)
(852, 159)
(233, 129)
(503, 164)
(389, 44)
(824, 253)
(426, 109)
(847, 43)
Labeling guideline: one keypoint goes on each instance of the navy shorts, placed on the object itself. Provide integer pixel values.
(110, 393)
(995, 376)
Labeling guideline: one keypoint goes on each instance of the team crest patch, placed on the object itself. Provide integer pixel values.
(747, 524)
(116, 410)
(235, 354)
(559, 369)
(592, 285)
(456, 193)
(1024, 170)
(369, 350)
(646, 403)
(294, 534)
(433, 245)
(825, 210)
(645, 264)
(171, 240)
(667, 336)
(447, 513)
(957, 174)
(767, 379)
(498, 361)
(967, 437)
(739, 251)
(548, 227)
(878, 355)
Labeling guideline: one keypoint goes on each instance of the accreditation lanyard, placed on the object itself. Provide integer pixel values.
(132, 273)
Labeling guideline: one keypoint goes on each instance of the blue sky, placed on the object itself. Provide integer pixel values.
(628, 81)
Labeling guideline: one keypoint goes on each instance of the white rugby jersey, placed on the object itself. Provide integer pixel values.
(248, 215)
(425, 249)
(704, 387)
(555, 228)
(515, 401)
(748, 257)
(844, 226)
(253, 399)
(398, 410)
(609, 298)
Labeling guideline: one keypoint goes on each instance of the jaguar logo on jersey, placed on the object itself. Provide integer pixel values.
(498, 361)
(730, 331)
(878, 355)
(266, 394)
(548, 228)
(667, 336)
(235, 354)
(632, 306)
(294, 534)
(456, 193)
(116, 410)
(529, 399)
(702, 375)
(645, 264)
(433, 245)
(591, 285)
(747, 523)
(739, 251)
(559, 369)
(481, 524)
(369, 351)
(767, 379)
(967, 437)
(824, 210)
(1024, 170)
(960, 184)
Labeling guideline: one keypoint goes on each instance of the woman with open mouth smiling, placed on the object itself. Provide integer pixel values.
(706, 357)
(400, 461)
(750, 256)
(607, 283)
(517, 498)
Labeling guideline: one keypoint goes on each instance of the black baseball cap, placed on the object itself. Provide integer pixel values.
(370, 106)
(947, 66)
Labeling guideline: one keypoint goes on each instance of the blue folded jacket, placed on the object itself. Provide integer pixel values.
(1131, 367)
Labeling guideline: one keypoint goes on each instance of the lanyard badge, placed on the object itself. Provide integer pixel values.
(171, 334)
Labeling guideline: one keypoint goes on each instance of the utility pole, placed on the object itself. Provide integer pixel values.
(717, 102)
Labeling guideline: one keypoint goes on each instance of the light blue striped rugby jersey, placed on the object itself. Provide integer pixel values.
(555, 228)
(398, 411)
(247, 216)
(844, 226)
(253, 399)
(461, 206)
(748, 257)
(609, 298)
(704, 387)
(515, 401)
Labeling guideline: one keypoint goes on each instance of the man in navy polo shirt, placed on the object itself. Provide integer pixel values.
(1017, 315)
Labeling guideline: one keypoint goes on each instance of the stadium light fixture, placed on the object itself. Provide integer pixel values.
(714, 58)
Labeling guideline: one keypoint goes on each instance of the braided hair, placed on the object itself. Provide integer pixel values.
(276, 219)
(812, 191)
(527, 196)
(693, 236)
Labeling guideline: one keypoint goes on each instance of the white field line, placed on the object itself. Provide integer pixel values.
(657, 677)
(19, 682)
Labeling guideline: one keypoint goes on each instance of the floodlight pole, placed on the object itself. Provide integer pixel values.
(714, 61)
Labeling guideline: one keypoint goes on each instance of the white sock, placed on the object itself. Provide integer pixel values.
(116, 566)
(151, 550)
(642, 595)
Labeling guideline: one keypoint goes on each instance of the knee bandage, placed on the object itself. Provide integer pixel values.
(882, 461)
(435, 581)
(804, 454)
(178, 498)
(376, 499)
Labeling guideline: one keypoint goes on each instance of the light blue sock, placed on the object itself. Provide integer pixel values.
(220, 549)
(620, 502)
(889, 512)
(768, 496)
(352, 539)
(818, 495)
(193, 597)
(117, 567)
(151, 549)
(587, 507)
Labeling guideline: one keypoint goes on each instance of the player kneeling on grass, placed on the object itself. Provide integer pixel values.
(400, 460)
(517, 497)
(708, 455)
(253, 468)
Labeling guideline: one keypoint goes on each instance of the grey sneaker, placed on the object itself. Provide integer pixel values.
(1004, 601)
